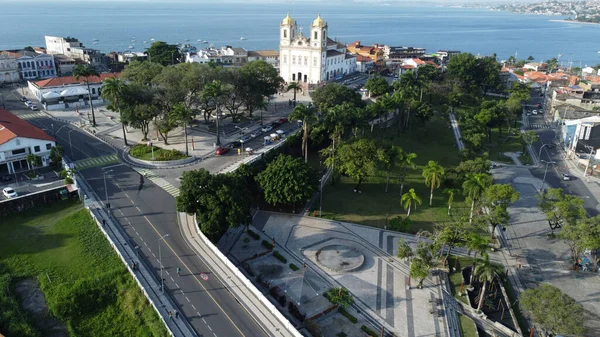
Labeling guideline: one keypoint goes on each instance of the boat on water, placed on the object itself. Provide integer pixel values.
(199, 40)
(186, 40)
(96, 40)
(130, 47)
(242, 38)
(152, 39)
(205, 42)
(145, 41)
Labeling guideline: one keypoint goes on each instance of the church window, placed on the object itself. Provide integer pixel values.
(305, 60)
(285, 33)
(293, 59)
(316, 36)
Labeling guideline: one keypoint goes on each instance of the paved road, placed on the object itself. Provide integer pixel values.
(147, 213)
(557, 166)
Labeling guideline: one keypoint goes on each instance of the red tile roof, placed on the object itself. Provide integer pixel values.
(67, 80)
(12, 127)
(362, 58)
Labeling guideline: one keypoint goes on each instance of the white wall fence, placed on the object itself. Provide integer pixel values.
(247, 283)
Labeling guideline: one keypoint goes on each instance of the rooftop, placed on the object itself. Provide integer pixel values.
(12, 127)
(68, 80)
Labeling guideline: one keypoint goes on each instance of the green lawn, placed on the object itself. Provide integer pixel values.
(144, 152)
(467, 326)
(86, 285)
(434, 141)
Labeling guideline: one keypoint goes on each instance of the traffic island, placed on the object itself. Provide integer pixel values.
(155, 156)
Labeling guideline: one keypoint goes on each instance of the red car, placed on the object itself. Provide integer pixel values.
(222, 150)
(282, 120)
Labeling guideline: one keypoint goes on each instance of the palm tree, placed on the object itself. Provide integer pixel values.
(112, 89)
(34, 161)
(485, 271)
(474, 187)
(86, 72)
(340, 296)
(305, 113)
(294, 86)
(182, 116)
(409, 198)
(450, 192)
(433, 174)
(215, 91)
(388, 158)
(478, 244)
(406, 161)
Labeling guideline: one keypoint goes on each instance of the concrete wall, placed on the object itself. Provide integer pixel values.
(26, 202)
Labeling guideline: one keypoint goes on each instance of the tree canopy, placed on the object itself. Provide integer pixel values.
(335, 94)
(377, 86)
(163, 53)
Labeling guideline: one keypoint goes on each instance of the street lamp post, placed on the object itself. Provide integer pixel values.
(52, 126)
(162, 280)
(591, 148)
(321, 197)
(540, 153)
(545, 172)
(218, 131)
(105, 189)
(71, 144)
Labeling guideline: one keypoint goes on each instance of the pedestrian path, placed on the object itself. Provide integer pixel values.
(32, 115)
(540, 126)
(160, 182)
(96, 161)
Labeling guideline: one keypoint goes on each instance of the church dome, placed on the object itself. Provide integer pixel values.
(318, 22)
(287, 20)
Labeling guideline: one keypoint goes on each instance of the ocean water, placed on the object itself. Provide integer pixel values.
(116, 23)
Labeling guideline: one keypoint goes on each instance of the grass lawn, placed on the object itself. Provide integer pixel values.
(456, 276)
(144, 152)
(467, 326)
(434, 141)
(504, 143)
(86, 285)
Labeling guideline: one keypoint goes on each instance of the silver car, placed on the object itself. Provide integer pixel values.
(9, 192)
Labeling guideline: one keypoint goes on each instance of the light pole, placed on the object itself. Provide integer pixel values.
(71, 144)
(162, 280)
(52, 126)
(545, 172)
(321, 197)
(540, 153)
(591, 148)
(106, 190)
(218, 131)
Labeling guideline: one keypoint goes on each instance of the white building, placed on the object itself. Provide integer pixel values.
(18, 138)
(72, 48)
(269, 56)
(67, 92)
(36, 66)
(9, 69)
(311, 59)
(226, 55)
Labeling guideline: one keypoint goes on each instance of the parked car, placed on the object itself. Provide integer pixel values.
(535, 112)
(221, 151)
(33, 107)
(7, 178)
(256, 133)
(234, 145)
(282, 120)
(267, 128)
(567, 177)
(23, 99)
(9, 192)
(493, 165)
(245, 138)
(28, 103)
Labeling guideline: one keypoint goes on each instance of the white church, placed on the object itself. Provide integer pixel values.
(311, 59)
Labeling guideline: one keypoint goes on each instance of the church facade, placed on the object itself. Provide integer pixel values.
(311, 59)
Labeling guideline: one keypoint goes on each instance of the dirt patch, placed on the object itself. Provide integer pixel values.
(32, 299)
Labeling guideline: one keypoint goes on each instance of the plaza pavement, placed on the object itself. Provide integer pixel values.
(380, 286)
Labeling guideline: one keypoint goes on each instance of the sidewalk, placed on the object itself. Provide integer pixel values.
(242, 291)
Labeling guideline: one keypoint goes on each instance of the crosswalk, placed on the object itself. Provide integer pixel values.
(539, 126)
(32, 115)
(96, 161)
(160, 182)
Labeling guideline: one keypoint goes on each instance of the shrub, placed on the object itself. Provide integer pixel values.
(348, 315)
(248, 269)
(341, 334)
(68, 180)
(253, 235)
(139, 150)
(369, 331)
(279, 257)
(267, 244)
(170, 155)
(340, 296)
(293, 267)
(293, 309)
(282, 301)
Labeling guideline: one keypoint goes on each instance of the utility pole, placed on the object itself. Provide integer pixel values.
(591, 148)
(162, 280)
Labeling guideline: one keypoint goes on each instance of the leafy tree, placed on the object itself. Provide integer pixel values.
(552, 63)
(34, 161)
(215, 94)
(424, 112)
(400, 224)
(407, 160)
(474, 187)
(410, 199)
(141, 72)
(287, 180)
(581, 236)
(56, 156)
(86, 71)
(554, 310)
(485, 272)
(497, 197)
(528, 138)
(561, 208)
(422, 263)
(182, 116)
(305, 113)
(377, 86)
(388, 159)
(262, 80)
(405, 251)
(334, 94)
(294, 86)
(359, 160)
(478, 244)
(112, 89)
(477, 165)
(137, 108)
(530, 58)
(219, 201)
(340, 296)
(433, 174)
(520, 92)
(453, 234)
(163, 53)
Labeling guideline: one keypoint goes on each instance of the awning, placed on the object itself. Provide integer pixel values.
(50, 95)
(76, 91)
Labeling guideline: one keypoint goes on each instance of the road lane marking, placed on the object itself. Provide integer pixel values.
(187, 299)
(192, 304)
(209, 328)
(145, 243)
